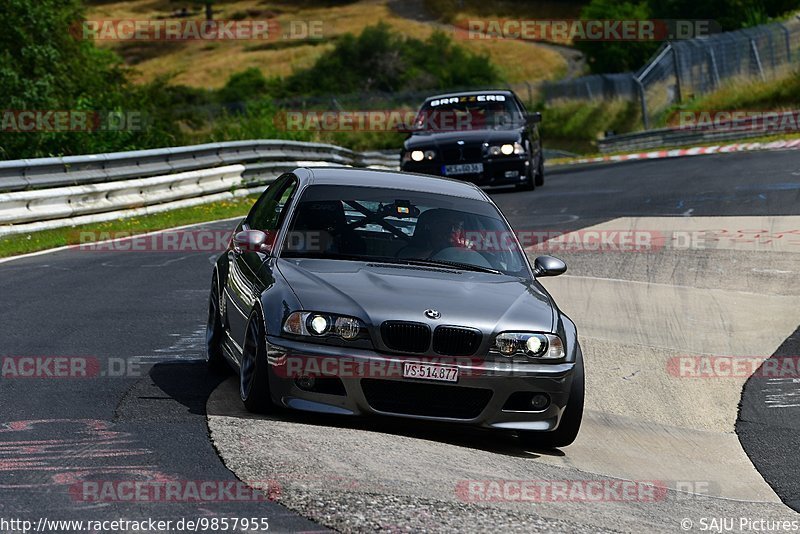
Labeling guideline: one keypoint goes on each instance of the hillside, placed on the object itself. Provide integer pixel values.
(209, 64)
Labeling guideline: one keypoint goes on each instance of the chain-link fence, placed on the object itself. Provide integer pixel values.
(679, 70)
(595, 86)
(683, 69)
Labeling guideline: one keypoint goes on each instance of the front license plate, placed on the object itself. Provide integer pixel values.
(463, 168)
(426, 371)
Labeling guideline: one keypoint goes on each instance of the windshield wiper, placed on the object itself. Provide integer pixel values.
(322, 255)
(448, 263)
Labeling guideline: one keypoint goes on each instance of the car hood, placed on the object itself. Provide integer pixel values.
(380, 292)
(437, 139)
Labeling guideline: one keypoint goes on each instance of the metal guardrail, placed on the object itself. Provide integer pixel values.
(46, 193)
(257, 156)
(744, 128)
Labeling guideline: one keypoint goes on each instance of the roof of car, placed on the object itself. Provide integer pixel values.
(349, 176)
(469, 93)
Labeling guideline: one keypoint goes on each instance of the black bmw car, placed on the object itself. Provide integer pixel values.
(359, 292)
(487, 138)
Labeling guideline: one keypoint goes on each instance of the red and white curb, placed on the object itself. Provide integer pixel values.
(681, 152)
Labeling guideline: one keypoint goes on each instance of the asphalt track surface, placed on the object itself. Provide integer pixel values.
(153, 423)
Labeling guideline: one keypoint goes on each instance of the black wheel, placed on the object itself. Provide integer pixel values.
(570, 423)
(540, 172)
(529, 183)
(214, 333)
(253, 369)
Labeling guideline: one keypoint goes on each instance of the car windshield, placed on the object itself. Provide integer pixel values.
(470, 112)
(397, 226)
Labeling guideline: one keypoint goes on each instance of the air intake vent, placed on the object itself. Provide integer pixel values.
(406, 337)
(456, 341)
(432, 400)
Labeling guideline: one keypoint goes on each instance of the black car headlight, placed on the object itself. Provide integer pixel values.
(506, 149)
(533, 345)
(304, 323)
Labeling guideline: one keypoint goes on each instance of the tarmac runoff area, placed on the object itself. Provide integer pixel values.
(661, 408)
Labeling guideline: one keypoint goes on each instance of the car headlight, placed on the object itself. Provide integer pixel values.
(506, 149)
(532, 345)
(418, 155)
(315, 324)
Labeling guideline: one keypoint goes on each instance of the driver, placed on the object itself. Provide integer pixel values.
(436, 229)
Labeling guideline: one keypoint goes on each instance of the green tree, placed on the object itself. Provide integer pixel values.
(381, 60)
(616, 56)
(45, 64)
(729, 14)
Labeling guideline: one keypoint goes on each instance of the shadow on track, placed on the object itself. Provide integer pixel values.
(499, 442)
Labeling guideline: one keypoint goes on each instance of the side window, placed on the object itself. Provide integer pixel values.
(266, 214)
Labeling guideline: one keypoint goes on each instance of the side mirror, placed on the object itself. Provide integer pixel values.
(251, 241)
(548, 266)
(534, 118)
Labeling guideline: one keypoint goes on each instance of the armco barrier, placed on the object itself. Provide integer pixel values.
(54, 192)
(61, 202)
(744, 128)
(42, 173)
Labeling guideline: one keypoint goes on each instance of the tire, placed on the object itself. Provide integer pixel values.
(529, 183)
(539, 181)
(254, 369)
(215, 359)
(570, 423)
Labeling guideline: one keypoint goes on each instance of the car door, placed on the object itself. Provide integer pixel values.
(242, 287)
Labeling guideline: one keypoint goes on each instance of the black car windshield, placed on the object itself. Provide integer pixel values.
(470, 112)
(405, 227)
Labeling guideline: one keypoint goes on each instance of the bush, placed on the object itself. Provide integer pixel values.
(243, 86)
(577, 125)
(381, 60)
(258, 121)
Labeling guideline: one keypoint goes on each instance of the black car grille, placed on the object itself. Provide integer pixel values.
(431, 400)
(406, 337)
(466, 154)
(455, 341)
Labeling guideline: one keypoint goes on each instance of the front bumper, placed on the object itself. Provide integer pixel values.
(372, 384)
(500, 171)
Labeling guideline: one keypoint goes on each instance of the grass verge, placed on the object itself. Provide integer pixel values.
(17, 244)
